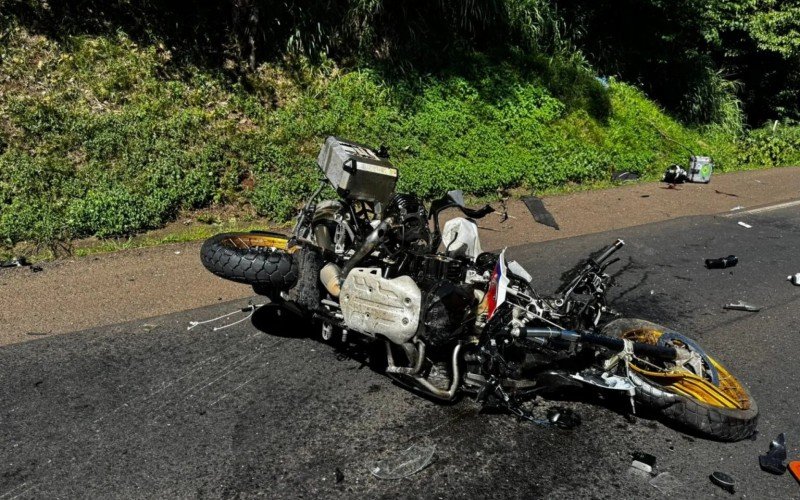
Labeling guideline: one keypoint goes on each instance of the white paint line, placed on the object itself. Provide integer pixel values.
(769, 208)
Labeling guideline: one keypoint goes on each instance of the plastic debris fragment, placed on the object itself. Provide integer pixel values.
(724, 481)
(338, 475)
(667, 484)
(741, 306)
(794, 279)
(722, 262)
(794, 468)
(745, 225)
(405, 463)
(772, 462)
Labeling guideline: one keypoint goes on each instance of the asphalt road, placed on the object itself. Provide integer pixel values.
(151, 409)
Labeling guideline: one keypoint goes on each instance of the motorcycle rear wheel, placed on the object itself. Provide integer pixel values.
(725, 412)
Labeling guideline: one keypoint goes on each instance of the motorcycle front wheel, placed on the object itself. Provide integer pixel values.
(699, 393)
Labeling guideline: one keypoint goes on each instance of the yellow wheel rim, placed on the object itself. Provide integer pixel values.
(256, 241)
(729, 394)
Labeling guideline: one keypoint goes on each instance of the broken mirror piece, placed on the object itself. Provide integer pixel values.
(667, 484)
(772, 462)
(405, 463)
(741, 306)
(724, 481)
(540, 214)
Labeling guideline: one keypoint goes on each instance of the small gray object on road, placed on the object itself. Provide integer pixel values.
(741, 306)
(405, 463)
(724, 481)
(794, 279)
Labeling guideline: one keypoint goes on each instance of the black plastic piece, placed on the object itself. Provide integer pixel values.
(722, 262)
(645, 458)
(540, 213)
(772, 462)
(640, 349)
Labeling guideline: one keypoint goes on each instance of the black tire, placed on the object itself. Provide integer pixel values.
(724, 424)
(246, 258)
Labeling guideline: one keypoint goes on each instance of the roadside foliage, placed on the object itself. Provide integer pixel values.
(115, 128)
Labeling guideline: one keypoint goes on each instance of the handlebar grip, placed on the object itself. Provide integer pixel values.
(608, 252)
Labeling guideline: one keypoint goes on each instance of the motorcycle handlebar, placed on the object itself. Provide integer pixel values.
(609, 251)
(639, 348)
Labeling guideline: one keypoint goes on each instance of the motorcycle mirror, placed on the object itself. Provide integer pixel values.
(457, 196)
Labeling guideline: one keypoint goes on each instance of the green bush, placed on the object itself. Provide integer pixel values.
(102, 137)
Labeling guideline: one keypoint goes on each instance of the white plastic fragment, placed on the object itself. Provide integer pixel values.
(794, 279)
(744, 224)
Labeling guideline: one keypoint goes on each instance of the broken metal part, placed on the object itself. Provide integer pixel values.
(772, 462)
(724, 481)
(374, 305)
(741, 306)
(539, 212)
(405, 463)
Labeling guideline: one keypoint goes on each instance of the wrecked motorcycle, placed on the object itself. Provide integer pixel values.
(376, 265)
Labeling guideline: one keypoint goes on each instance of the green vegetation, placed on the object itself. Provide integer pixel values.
(109, 134)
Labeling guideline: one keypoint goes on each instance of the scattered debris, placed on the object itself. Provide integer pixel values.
(177, 252)
(338, 475)
(539, 212)
(642, 462)
(724, 481)
(563, 418)
(794, 279)
(404, 464)
(667, 484)
(794, 468)
(645, 196)
(722, 262)
(745, 225)
(17, 262)
(726, 194)
(37, 269)
(741, 306)
(772, 462)
(37, 334)
(737, 207)
(675, 174)
(624, 176)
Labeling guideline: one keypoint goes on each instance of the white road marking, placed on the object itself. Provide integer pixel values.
(769, 208)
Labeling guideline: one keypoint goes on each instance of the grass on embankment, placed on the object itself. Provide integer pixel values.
(101, 137)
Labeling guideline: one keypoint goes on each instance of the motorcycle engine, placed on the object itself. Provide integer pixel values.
(446, 311)
(412, 218)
